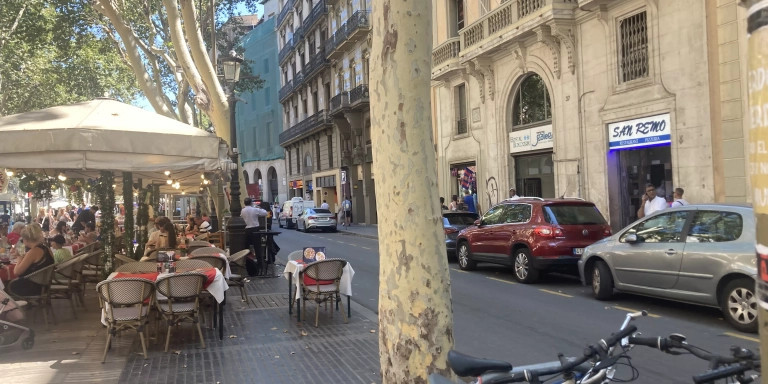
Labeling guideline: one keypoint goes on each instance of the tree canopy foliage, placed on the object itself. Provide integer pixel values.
(51, 54)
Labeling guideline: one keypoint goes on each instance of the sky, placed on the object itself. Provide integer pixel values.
(142, 101)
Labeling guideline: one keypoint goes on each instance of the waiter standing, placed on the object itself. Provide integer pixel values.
(251, 216)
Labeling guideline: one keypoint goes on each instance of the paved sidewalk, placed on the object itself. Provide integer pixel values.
(262, 344)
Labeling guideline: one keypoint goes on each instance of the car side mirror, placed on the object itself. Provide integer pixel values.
(631, 238)
(478, 222)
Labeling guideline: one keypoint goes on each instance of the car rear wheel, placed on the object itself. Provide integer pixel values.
(739, 304)
(602, 281)
(523, 270)
(464, 257)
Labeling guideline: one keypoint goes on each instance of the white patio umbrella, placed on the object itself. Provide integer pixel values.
(105, 134)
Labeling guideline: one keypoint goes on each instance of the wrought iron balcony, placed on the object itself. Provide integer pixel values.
(351, 31)
(358, 95)
(285, 51)
(317, 12)
(287, 9)
(315, 64)
(298, 79)
(305, 127)
(285, 91)
(339, 102)
(298, 35)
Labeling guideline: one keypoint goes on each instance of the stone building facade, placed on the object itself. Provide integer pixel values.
(323, 58)
(590, 99)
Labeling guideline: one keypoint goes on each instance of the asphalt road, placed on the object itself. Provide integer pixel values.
(497, 318)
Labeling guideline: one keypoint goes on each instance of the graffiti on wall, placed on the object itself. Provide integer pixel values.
(492, 191)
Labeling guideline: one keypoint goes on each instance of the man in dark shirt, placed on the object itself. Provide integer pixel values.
(87, 215)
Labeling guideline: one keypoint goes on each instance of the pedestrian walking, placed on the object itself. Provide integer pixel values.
(346, 208)
(677, 196)
(324, 205)
(651, 202)
(442, 204)
(513, 194)
(469, 201)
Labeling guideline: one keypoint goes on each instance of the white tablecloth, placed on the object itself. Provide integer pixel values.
(345, 285)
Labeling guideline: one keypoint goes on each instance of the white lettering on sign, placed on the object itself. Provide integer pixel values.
(653, 130)
(531, 139)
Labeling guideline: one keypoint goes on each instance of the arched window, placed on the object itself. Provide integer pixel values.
(531, 102)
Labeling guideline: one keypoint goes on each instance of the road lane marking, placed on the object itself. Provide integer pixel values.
(365, 248)
(555, 293)
(502, 280)
(738, 336)
(635, 310)
(458, 270)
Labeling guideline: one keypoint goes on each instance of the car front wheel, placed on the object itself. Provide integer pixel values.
(464, 257)
(602, 281)
(524, 272)
(739, 304)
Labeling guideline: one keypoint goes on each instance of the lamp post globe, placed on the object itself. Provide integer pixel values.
(236, 224)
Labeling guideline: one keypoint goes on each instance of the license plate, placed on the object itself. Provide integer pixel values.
(578, 251)
(322, 219)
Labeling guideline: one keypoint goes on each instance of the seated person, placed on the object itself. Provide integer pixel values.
(89, 234)
(164, 237)
(60, 254)
(203, 231)
(63, 229)
(15, 233)
(36, 258)
(191, 228)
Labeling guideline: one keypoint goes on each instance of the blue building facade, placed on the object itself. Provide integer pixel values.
(259, 118)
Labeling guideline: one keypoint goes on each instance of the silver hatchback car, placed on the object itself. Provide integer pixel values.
(316, 218)
(701, 254)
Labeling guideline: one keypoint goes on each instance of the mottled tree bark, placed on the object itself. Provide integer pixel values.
(415, 318)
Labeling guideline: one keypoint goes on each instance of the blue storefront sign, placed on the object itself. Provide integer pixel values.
(638, 133)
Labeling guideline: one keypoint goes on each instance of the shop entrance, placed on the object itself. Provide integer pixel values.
(638, 167)
(534, 175)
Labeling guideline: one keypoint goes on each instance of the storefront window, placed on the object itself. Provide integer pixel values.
(534, 175)
(531, 102)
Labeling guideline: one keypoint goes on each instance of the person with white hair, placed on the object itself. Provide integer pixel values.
(38, 257)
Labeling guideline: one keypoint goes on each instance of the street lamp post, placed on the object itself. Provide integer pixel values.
(236, 224)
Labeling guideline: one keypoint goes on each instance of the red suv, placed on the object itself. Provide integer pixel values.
(531, 235)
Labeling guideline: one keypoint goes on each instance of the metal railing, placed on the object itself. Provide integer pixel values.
(358, 20)
(316, 62)
(506, 15)
(285, 91)
(359, 94)
(287, 8)
(340, 101)
(285, 51)
(446, 51)
(317, 12)
(304, 127)
(298, 35)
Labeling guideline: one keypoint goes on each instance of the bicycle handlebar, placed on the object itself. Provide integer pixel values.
(722, 373)
(669, 344)
(598, 348)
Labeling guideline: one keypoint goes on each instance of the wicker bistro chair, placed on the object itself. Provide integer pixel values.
(207, 251)
(217, 239)
(237, 277)
(214, 261)
(195, 244)
(44, 278)
(121, 259)
(191, 265)
(67, 282)
(320, 282)
(92, 267)
(138, 267)
(182, 302)
(126, 303)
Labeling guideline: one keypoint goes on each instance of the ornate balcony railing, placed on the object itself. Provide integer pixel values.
(339, 101)
(285, 90)
(298, 78)
(287, 8)
(298, 34)
(359, 94)
(304, 127)
(317, 12)
(316, 62)
(506, 15)
(446, 51)
(285, 51)
(359, 20)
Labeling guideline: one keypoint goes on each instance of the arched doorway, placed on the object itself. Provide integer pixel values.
(529, 117)
(272, 186)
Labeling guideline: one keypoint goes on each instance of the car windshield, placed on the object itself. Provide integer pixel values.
(579, 214)
(322, 211)
(462, 219)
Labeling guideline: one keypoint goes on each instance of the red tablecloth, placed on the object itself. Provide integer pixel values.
(6, 274)
(210, 274)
